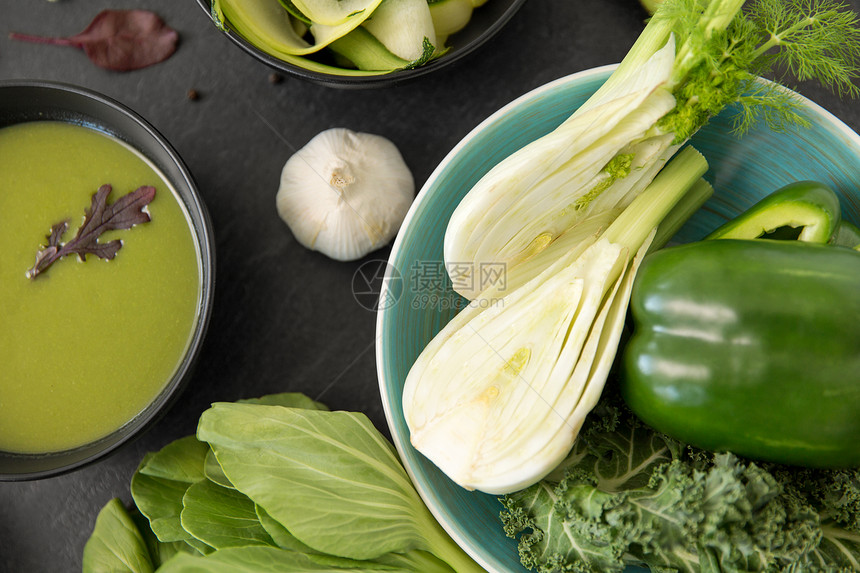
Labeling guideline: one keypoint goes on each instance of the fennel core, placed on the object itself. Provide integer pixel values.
(573, 213)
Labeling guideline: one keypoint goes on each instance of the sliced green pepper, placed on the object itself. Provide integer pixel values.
(808, 206)
(751, 347)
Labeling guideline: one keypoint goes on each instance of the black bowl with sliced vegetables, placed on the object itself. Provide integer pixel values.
(359, 44)
(107, 280)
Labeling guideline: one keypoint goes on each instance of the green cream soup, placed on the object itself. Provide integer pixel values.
(85, 346)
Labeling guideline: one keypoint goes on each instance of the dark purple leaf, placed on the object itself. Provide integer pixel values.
(124, 213)
(102, 250)
(119, 40)
(57, 232)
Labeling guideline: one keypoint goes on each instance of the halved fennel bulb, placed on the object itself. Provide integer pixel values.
(518, 397)
(599, 159)
(497, 398)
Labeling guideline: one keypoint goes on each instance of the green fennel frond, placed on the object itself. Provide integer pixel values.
(771, 104)
(811, 40)
(805, 39)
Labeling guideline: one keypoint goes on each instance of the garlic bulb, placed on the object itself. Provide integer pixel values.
(345, 194)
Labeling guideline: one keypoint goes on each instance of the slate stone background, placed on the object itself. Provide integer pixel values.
(285, 318)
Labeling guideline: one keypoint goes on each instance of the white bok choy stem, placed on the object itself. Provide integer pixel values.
(498, 396)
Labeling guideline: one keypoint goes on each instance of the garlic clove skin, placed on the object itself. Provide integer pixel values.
(345, 193)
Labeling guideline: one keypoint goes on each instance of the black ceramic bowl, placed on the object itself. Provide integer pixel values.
(486, 21)
(23, 101)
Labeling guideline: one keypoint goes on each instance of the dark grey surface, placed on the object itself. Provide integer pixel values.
(285, 319)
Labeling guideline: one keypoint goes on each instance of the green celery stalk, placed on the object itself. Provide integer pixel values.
(691, 202)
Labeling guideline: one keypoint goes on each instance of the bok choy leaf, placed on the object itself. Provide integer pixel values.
(277, 483)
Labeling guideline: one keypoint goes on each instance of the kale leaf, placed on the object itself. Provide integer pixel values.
(627, 495)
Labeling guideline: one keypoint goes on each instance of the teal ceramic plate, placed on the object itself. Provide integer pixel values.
(417, 299)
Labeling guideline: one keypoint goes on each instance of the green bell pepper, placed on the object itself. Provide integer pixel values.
(847, 235)
(750, 346)
(808, 210)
